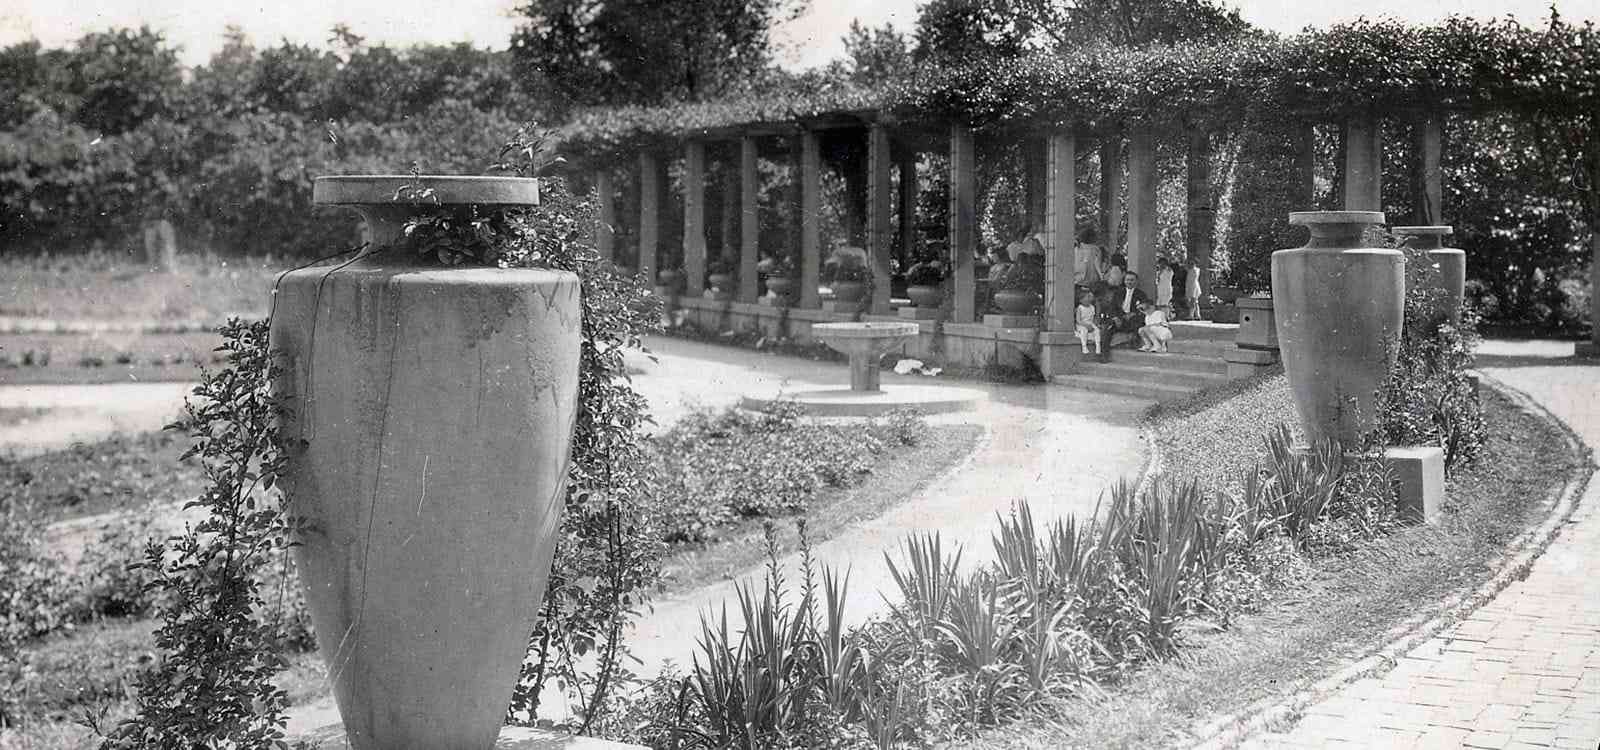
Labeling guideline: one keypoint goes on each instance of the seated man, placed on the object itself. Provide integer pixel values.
(1124, 314)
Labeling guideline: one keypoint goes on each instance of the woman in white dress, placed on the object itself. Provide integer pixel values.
(1163, 281)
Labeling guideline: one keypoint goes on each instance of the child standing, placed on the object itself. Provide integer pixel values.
(1086, 326)
(1155, 333)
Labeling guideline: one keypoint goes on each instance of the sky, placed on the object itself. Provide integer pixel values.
(197, 25)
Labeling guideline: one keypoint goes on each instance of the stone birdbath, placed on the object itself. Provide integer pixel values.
(864, 343)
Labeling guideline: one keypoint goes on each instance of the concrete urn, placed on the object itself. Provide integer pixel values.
(925, 295)
(1447, 270)
(433, 407)
(1339, 308)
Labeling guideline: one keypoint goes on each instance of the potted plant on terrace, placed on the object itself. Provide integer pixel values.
(719, 276)
(924, 282)
(781, 277)
(1020, 290)
(852, 278)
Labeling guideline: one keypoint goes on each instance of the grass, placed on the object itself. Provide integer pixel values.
(1338, 614)
(105, 286)
(900, 474)
(119, 473)
(111, 357)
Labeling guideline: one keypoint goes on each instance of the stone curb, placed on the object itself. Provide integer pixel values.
(1511, 566)
(18, 326)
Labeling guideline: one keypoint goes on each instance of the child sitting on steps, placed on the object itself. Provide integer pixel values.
(1088, 330)
(1155, 333)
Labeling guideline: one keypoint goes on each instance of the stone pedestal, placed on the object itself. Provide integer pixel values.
(1418, 473)
(1258, 328)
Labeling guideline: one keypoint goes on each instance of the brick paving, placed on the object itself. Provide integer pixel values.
(1522, 671)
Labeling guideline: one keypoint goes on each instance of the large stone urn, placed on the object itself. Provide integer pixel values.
(1339, 308)
(1447, 269)
(433, 408)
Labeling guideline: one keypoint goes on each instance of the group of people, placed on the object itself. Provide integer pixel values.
(1110, 300)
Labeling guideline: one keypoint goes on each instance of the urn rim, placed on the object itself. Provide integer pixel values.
(1427, 229)
(1313, 218)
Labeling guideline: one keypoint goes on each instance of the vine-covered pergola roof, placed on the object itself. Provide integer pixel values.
(1382, 67)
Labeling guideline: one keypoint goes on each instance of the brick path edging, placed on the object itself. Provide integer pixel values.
(1509, 566)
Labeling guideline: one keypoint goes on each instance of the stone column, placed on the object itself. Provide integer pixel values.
(650, 184)
(1363, 172)
(605, 232)
(810, 217)
(1060, 216)
(1430, 200)
(963, 222)
(749, 222)
(1142, 183)
(880, 232)
(908, 209)
(1200, 233)
(1305, 164)
(694, 217)
(1110, 193)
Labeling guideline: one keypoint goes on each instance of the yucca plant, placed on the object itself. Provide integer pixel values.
(979, 639)
(926, 584)
(1306, 482)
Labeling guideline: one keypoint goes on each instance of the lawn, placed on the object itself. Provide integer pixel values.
(107, 287)
(1340, 612)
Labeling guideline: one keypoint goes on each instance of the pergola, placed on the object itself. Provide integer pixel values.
(1353, 76)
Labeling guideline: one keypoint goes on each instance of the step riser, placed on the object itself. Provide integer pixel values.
(1156, 377)
(1136, 390)
(1175, 362)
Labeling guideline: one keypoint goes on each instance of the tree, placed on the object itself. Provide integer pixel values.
(114, 80)
(875, 55)
(967, 29)
(593, 52)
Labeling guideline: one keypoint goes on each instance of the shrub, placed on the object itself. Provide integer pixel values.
(110, 580)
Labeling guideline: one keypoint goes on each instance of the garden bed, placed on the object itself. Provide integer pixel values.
(103, 286)
(109, 357)
(1344, 604)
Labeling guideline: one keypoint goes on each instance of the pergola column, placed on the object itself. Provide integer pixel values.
(810, 217)
(1110, 193)
(1305, 164)
(963, 222)
(605, 231)
(1430, 203)
(880, 232)
(694, 217)
(1142, 207)
(749, 222)
(1200, 234)
(1363, 171)
(908, 208)
(1060, 218)
(650, 183)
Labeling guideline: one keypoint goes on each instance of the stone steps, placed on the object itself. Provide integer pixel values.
(1118, 385)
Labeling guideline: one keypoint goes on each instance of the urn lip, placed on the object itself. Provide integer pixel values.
(380, 189)
(1437, 230)
(1313, 218)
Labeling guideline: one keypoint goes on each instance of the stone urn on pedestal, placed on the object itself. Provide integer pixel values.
(1339, 308)
(1447, 268)
(433, 408)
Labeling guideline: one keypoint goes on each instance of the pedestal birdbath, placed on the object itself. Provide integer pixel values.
(865, 343)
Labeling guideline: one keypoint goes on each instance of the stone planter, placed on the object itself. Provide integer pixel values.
(849, 291)
(435, 405)
(782, 287)
(1257, 327)
(925, 296)
(1339, 308)
(1018, 301)
(722, 282)
(1448, 270)
(671, 279)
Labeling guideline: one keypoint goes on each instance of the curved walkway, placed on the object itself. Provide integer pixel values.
(1058, 448)
(1523, 671)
